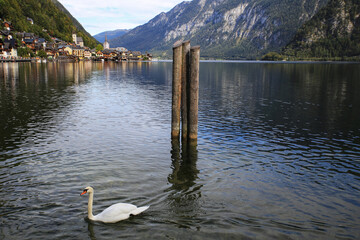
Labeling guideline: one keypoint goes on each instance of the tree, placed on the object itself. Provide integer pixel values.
(272, 56)
(24, 52)
(99, 47)
(42, 54)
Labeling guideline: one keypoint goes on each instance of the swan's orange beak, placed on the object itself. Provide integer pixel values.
(85, 191)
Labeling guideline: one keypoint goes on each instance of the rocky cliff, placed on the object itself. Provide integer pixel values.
(333, 32)
(223, 28)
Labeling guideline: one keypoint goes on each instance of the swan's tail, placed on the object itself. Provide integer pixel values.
(139, 210)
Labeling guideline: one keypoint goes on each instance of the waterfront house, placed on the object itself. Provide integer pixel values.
(51, 52)
(9, 48)
(87, 54)
(68, 49)
(123, 56)
(65, 50)
(93, 52)
(99, 54)
(106, 53)
(134, 56)
(61, 52)
(113, 54)
(78, 52)
(148, 57)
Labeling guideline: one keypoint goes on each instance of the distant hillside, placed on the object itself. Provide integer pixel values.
(110, 34)
(229, 29)
(333, 32)
(78, 25)
(47, 15)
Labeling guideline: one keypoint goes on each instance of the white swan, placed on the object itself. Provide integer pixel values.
(114, 213)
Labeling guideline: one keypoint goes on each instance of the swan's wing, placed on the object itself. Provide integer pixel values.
(116, 212)
(139, 210)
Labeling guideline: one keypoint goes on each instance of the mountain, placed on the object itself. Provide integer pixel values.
(229, 29)
(78, 25)
(49, 16)
(110, 34)
(333, 32)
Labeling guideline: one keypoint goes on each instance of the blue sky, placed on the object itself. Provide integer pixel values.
(98, 16)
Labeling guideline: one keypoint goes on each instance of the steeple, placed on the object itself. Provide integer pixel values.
(106, 45)
(74, 37)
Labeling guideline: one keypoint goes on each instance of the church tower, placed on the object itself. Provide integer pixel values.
(106, 44)
(74, 37)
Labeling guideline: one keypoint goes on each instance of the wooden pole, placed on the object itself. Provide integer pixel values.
(185, 78)
(176, 91)
(194, 92)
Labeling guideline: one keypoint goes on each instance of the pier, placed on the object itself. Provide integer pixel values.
(185, 91)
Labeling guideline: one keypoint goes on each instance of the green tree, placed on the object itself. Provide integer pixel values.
(24, 52)
(99, 47)
(47, 14)
(272, 56)
(42, 54)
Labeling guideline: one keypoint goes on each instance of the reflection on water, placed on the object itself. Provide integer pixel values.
(32, 94)
(184, 192)
(278, 154)
(184, 165)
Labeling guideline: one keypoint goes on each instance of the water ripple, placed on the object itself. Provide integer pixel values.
(276, 157)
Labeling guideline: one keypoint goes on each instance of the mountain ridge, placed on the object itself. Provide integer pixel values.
(227, 29)
(110, 34)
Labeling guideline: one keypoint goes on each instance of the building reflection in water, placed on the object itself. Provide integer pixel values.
(32, 93)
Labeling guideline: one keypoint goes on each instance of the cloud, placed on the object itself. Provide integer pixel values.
(98, 16)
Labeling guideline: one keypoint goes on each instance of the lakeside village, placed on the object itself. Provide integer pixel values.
(29, 47)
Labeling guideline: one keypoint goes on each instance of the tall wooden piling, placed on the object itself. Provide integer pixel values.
(185, 76)
(176, 91)
(194, 92)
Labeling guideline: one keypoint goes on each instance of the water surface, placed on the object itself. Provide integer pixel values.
(278, 153)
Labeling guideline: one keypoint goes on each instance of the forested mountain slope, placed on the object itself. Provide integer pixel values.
(333, 32)
(49, 17)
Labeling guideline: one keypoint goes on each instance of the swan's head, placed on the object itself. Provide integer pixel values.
(87, 190)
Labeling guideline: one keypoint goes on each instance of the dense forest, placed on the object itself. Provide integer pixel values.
(49, 19)
(333, 33)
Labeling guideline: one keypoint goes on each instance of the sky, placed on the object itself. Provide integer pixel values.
(99, 16)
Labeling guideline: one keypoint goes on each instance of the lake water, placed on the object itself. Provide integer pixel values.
(278, 154)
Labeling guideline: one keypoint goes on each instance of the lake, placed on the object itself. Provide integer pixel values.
(277, 156)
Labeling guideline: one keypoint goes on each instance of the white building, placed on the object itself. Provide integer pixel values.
(106, 44)
(78, 40)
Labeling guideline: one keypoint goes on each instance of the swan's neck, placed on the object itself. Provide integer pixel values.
(90, 205)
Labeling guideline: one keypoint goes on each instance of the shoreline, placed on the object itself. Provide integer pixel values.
(202, 61)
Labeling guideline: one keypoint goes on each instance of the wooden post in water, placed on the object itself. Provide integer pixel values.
(185, 76)
(194, 92)
(176, 91)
